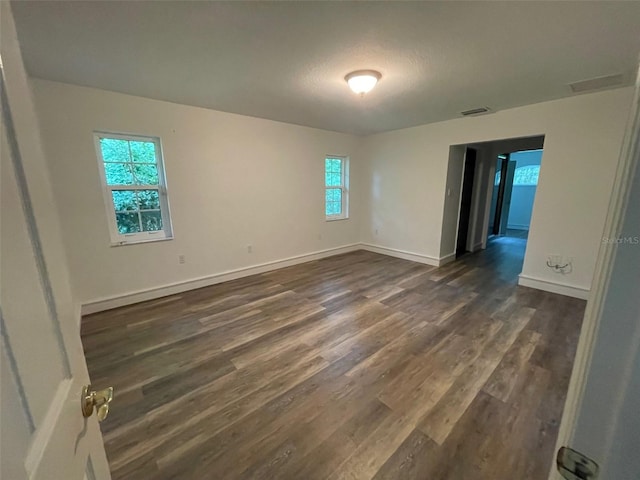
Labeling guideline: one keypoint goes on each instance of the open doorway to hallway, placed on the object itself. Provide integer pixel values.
(466, 198)
(490, 195)
(514, 189)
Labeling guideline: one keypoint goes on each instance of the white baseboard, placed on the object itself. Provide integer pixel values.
(394, 252)
(517, 227)
(446, 259)
(553, 287)
(130, 298)
(477, 246)
(116, 301)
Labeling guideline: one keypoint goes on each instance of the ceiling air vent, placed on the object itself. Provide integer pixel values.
(475, 111)
(598, 83)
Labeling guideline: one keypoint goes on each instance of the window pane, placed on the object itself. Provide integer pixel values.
(333, 208)
(333, 165)
(329, 195)
(527, 175)
(114, 150)
(118, 174)
(127, 222)
(143, 152)
(333, 201)
(148, 199)
(151, 221)
(124, 200)
(333, 179)
(146, 174)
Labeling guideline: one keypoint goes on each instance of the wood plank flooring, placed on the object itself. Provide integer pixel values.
(359, 366)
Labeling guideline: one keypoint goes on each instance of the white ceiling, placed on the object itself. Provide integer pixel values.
(287, 60)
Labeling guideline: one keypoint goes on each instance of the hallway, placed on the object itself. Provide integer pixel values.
(354, 366)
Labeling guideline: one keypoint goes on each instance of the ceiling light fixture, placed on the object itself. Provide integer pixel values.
(362, 81)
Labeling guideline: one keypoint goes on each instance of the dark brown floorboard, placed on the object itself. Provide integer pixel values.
(357, 366)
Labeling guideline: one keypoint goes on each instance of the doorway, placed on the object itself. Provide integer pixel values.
(514, 188)
(466, 196)
(473, 210)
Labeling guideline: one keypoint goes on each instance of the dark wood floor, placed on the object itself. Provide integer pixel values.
(511, 232)
(357, 366)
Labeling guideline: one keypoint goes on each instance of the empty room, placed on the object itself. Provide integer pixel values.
(320, 240)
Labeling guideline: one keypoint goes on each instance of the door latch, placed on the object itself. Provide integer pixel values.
(574, 465)
(99, 400)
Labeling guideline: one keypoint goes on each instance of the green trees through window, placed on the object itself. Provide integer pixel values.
(333, 178)
(133, 179)
(335, 187)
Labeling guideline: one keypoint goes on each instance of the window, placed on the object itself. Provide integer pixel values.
(336, 180)
(134, 188)
(524, 176)
(527, 175)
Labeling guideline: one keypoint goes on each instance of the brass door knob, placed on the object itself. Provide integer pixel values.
(99, 400)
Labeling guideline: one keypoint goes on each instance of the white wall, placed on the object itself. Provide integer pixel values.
(232, 180)
(522, 196)
(406, 172)
(236, 180)
(521, 207)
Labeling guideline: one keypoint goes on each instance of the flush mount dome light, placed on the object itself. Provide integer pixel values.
(362, 81)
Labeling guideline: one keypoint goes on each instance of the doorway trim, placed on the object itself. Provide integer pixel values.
(466, 208)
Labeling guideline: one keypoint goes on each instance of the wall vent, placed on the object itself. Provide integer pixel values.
(598, 83)
(475, 111)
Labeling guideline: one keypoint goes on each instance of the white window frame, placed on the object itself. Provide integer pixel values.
(344, 187)
(117, 238)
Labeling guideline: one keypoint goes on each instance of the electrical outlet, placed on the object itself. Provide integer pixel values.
(181, 259)
(560, 264)
(376, 231)
(249, 248)
(554, 260)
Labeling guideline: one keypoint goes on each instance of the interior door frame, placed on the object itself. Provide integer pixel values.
(468, 166)
(507, 196)
(627, 164)
(497, 214)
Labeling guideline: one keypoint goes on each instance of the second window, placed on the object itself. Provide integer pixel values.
(336, 182)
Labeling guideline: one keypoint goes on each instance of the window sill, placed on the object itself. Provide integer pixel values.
(124, 243)
(332, 219)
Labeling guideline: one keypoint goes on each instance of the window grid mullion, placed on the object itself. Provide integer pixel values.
(129, 163)
(137, 200)
(143, 210)
(120, 187)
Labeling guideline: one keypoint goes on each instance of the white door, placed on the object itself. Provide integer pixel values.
(601, 419)
(43, 432)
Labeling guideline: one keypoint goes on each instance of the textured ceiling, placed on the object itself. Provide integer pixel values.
(287, 60)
